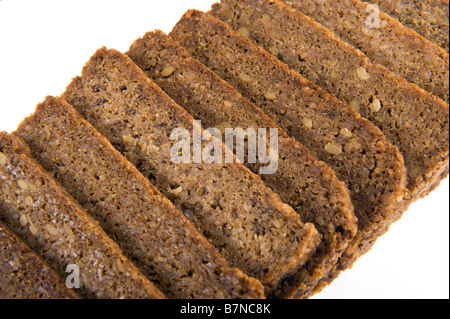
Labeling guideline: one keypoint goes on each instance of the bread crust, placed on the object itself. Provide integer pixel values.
(386, 41)
(231, 206)
(24, 274)
(36, 208)
(303, 182)
(376, 193)
(145, 224)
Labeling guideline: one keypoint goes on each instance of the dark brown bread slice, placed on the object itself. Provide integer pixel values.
(24, 274)
(428, 18)
(146, 225)
(53, 224)
(231, 206)
(301, 181)
(400, 109)
(391, 44)
(358, 152)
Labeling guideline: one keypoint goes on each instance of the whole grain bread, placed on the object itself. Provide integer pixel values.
(383, 39)
(231, 206)
(37, 209)
(428, 18)
(24, 274)
(400, 109)
(301, 181)
(145, 224)
(357, 151)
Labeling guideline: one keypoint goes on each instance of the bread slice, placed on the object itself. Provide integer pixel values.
(53, 224)
(357, 151)
(145, 224)
(301, 181)
(398, 108)
(24, 274)
(231, 206)
(428, 18)
(384, 40)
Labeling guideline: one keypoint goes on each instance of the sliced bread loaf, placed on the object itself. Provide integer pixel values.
(301, 181)
(53, 224)
(231, 206)
(411, 119)
(24, 274)
(383, 39)
(146, 225)
(357, 151)
(428, 18)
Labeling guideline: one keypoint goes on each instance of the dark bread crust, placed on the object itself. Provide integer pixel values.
(400, 109)
(428, 18)
(370, 166)
(36, 208)
(148, 228)
(231, 206)
(303, 182)
(393, 45)
(24, 274)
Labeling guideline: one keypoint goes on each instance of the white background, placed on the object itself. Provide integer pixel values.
(44, 44)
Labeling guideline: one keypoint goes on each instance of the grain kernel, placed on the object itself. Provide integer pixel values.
(308, 90)
(377, 171)
(168, 71)
(2, 159)
(177, 191)
(28, 201)
(354, 105)
(244, 77)
(333, 149)
(23, 220)
(119, 265)
(308, 123)
(33, 188)
(270, 96)
(201, 191)
(33, 230)
(23, 185)
(51, 230)
(362, 73)
(244, 31)
(228, 104)
(346, 133)
(127, 139)
(375, 106)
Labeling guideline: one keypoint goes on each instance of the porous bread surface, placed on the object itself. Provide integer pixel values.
(428, 18)
(400, 109)
(145, 224)
(357, 151)
(55, 226)
(231, 206)
(24, 274)
(301, 181)
(385, 40)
